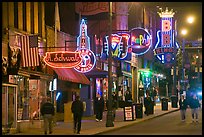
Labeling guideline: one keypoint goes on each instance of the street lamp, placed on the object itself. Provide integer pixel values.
(183, 32)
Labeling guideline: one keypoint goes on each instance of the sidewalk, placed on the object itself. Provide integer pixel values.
(91, 127)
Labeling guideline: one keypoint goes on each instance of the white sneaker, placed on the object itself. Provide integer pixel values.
(101, 120)
(97, 120)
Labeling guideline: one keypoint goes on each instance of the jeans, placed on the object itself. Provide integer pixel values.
(183, 114)
(194, 112)
(48, 119)
(77, 122)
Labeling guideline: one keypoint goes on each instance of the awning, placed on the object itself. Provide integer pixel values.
(71, 75)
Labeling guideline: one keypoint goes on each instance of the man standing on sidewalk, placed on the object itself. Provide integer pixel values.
(194, 105)
(47, 110)
(77, 110)
(99, 105)
(183, 107)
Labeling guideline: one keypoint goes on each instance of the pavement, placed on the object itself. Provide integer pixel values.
(91, 127)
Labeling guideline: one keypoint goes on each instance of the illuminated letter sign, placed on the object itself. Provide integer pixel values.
(140, 41)
(164, 48)
(62, 59)
(83, 47)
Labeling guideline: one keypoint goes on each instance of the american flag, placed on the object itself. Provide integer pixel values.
(29, 48)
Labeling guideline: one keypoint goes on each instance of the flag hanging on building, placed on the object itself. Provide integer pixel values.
(29, 48)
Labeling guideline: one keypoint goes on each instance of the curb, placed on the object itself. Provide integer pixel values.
(135, 122)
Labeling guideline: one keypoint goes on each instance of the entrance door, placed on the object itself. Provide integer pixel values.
(9, 106)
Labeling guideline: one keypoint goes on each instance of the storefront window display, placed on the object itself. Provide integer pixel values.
(31, 93)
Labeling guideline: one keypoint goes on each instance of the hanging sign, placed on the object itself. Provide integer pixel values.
(63, 59)
(83, 47)
(165, 46)
(120, 47)
(82, 60)
(140, 41)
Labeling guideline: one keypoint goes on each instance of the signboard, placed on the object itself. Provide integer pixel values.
(120, 47)
(63, 59)
(129, 113)
(83, 47)
(166, 44)
(82, 60)
(140, 41)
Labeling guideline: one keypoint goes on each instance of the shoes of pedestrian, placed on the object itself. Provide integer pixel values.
(45, 133)
(78, 132)
(50, 132)
(101, 120)
(97, 120)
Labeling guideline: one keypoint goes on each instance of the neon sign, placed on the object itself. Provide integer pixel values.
(83, 47)
(88, 61)
(62, 59)
(164, 48)
(82, 60)
(141, 41)
(120, 48)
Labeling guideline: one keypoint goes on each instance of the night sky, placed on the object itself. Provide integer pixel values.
(183, 9)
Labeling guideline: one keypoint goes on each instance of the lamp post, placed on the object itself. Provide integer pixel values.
(109, 118)
(190, 20)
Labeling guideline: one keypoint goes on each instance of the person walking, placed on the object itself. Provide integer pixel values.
(47, 110)
(77, 110)
(183, 106)
(99, 105)
(194, 105)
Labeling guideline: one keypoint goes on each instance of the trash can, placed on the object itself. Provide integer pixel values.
(164, 103)
(174, 101)
(139, 110)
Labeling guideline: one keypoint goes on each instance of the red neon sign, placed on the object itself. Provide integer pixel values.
(62, 59)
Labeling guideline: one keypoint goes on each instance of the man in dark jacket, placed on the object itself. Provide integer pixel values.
(194, 105)
(183, 106)
(99, 105)
(47, 110)
(77, 110)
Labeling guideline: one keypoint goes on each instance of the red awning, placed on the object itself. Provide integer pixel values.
(71, 75)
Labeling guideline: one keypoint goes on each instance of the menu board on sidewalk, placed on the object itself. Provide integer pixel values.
(128, 113)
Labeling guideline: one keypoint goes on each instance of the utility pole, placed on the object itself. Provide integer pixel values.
(109, 119)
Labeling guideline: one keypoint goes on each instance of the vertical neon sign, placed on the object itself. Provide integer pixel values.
(164, 47)
(83, 47)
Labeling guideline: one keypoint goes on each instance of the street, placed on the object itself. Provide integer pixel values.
(169, 124)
